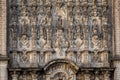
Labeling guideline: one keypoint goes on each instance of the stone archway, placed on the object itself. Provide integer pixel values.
(61, 71)
(59, 76)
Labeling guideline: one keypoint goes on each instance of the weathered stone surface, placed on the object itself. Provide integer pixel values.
(60, 39)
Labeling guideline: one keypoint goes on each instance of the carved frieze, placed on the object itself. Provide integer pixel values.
(43, 30)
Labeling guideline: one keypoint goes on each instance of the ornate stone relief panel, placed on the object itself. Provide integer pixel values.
(44, 30)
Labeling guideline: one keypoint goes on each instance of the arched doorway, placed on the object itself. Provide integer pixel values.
(61, 70)
(59, 76)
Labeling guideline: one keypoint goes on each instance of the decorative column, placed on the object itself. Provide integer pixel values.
(3, 57)
(116, 40)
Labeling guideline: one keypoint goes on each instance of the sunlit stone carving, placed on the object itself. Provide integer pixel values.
(55, 37)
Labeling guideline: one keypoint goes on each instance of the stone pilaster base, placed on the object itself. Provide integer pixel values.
(3, 68)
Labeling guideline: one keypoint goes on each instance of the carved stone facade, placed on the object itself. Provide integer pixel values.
(60, 40)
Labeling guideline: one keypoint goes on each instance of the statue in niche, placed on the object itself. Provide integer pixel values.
(14, 59)
(95, 27)
(78, 22)
(61, 44)
(24, 21)
(64, 46)
(48, 18)
(32, 15)
(95, 13)
(34, 59)
(14, 15)
(32, 32)
(41, 42)
(56, 46)
(61, 14)
(78, 42)
(95, 35)
(13, 37)
(96, 42)
(24, 16)
(95, 21)
(24, 42)
(41, 58)
(39, 16)
(33, 37)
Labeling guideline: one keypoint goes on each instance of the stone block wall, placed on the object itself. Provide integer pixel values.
(3, 57)
(116, 59)
(3, 27)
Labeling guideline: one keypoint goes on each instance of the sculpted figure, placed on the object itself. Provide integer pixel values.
(15, 59)
(64, 46)
(95, 28)
(60, 14)
(78, 42)
(61, 44)
(24, 42)
(41, 42)
(95, 42)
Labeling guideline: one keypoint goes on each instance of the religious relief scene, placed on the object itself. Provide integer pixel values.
(59, 39)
